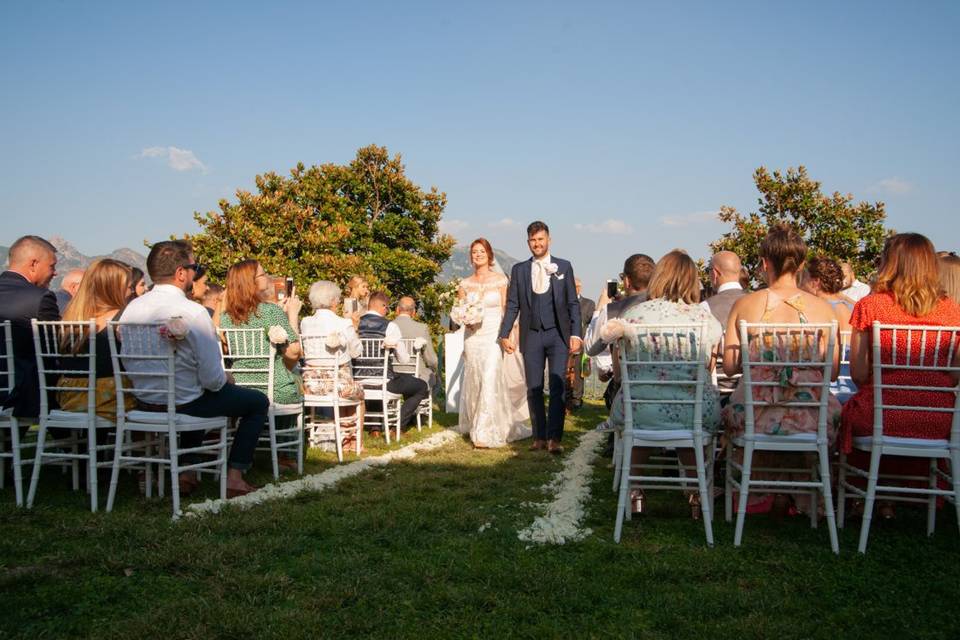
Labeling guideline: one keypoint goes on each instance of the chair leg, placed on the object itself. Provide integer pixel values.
(841, 490)
(17, 461)
(955, 478)
(337, 435)
(92, 467)
(871, 496)
(706, 497)
(274, 454)
(115, 469)
(932, 499)
(75, 464)
(37, 463)
(814, 497)
(175, 474)
(223, 461)
(616, 460)
(728, 486)
(827, 497)
(300, 437)
(744, 492)
(622, 498)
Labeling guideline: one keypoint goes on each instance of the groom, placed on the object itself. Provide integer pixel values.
(544, 292)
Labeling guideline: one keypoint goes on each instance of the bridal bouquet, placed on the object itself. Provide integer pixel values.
(468, 311)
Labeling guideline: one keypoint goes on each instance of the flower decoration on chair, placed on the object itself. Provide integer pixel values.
(278, 335)
(335, 341)
(419, 344)
(174, 330)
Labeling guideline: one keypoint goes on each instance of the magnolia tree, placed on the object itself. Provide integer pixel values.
(332, 222)
(830, 225)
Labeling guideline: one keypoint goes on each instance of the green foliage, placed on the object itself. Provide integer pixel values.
(332, 222)
(830, 225)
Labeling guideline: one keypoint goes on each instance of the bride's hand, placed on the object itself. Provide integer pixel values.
(507, 345)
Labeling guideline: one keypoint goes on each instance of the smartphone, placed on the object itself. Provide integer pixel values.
(289, 287)
(349, 306)
(612, 289)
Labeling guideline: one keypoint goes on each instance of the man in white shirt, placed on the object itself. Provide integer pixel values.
(853, 288)
(203, 389)
(374, 324)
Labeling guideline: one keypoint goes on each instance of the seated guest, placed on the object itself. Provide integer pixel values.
(247, 288)
(138, 285)
(202, 387)
(782, 253)
(374, 324)
(406, 319)
(823, 278)
(211, 299)
(199, 286)
(950, 275)
(637, 271)
(102, 297)
(725, 278)
(674, 298)
(355, 304)
(325, 298)
(744, 279)
(853, 289)
(23, 290)
(68, 288)
(907, 291)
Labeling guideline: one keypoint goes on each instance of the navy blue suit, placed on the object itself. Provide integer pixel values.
(547, 322)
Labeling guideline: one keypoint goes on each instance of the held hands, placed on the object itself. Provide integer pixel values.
(507, 345)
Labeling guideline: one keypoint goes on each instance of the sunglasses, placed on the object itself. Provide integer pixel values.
(196, 267)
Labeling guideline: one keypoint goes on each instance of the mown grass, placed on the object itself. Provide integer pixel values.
(397, 552)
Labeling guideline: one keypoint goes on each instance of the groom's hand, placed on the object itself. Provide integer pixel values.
(507, 345)
(575, 344)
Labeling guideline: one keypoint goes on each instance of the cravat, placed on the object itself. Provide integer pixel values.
(541, 281)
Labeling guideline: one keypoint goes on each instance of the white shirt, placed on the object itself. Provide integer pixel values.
(600, 356)
(323, 323)
(394, 336)
(857, 290)
(198, 364)
(540, 264)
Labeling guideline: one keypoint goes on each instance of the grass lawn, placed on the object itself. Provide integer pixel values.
(399, 552)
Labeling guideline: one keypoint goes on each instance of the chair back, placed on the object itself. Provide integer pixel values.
(905, 354)
(250, 358)
(143, 357)
(7, 366)
(664, 364)
(415, 366)
(373, 361)
(725, 384)
(324, 361)
(773, 358)
(65, 348)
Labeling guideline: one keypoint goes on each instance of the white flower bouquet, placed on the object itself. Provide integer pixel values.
(468, 311)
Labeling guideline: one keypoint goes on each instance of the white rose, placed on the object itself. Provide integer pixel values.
(552, 268)
(333, 341)
(389, 344)
(612, 330)
(177, 328)
(419, 344)
(277, 334)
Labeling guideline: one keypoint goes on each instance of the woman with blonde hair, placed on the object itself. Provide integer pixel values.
(358, 293)
(101, 297)
(950, 275)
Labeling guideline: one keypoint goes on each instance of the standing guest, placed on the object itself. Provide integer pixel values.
(358, 294)
(211, 299)
(23, 290)
(248, 286)
(782, 253)
(101, 297)
(725, 277)
(950, 275)
(573, 389)
(325, 298)
(406, 319)
(907, 291)
(138, 285)
(68, 288)
(374, 324)
(202, 387)
(853, 288)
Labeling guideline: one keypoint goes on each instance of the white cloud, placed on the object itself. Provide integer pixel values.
(503, 223)
(608, 226)
(893, 185)
(453, 226)
(177, 159)
(687, 219)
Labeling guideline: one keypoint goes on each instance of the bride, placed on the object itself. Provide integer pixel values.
(493, 398)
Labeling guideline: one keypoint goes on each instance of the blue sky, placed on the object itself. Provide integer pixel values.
(623, 125)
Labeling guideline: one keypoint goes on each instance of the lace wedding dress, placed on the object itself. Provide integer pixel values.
(493, 406)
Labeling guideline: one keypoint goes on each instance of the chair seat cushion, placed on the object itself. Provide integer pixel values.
(865, 443)
(370, 382)
(376, 394)
(75, 420)
(182, 420)
(286, 409)
(665, 434)
(765, 437)
(327, 401)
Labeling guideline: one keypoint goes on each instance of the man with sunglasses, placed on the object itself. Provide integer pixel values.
(203, 389)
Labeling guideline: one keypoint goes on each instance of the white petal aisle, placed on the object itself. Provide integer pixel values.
(323, 480)
(571, 485)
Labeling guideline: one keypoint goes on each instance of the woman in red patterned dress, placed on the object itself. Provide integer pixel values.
(907, 291)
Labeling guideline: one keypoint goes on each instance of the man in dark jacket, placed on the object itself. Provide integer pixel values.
(24, 296)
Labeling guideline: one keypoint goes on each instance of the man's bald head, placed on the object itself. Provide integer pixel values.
(407, 305)
(71, 281)
(725, 267)
(34, 258)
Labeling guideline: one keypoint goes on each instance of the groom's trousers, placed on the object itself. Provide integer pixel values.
(545, 347)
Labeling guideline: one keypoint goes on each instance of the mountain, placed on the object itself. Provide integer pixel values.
(68, 257)
(458, 266)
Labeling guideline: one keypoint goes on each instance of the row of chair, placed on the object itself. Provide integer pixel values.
(146, 441)
(921, 349)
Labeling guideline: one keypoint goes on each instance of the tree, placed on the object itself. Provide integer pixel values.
(830, 225)
(332, 222)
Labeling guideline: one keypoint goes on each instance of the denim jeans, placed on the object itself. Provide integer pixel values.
(231, 401)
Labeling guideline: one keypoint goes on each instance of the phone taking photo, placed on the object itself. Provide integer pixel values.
(289, 287)
(612, 289)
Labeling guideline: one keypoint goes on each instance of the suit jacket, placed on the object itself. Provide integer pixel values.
(563, 288)
(587, 307)
(410, 328)
(21, 302)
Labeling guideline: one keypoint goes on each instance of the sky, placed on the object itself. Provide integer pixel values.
(624, 125)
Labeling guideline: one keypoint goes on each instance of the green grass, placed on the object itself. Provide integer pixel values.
(397, 552)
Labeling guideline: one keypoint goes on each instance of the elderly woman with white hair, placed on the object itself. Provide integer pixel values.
(339, 341)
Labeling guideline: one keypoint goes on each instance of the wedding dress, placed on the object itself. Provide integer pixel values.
(493, 405)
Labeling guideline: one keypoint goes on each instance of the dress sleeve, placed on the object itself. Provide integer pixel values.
(863, 314)
(274, 315)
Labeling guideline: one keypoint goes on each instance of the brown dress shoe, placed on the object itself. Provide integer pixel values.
(554, 447)
(538, 445)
